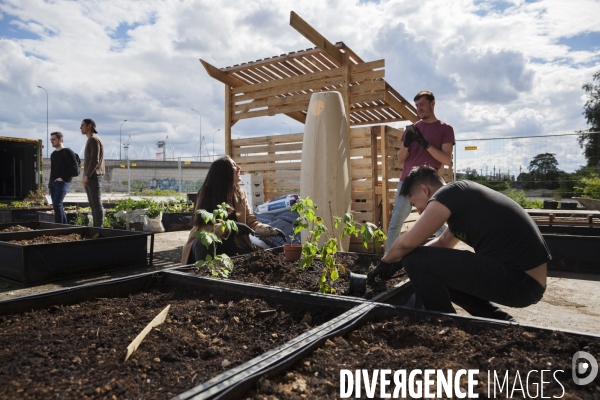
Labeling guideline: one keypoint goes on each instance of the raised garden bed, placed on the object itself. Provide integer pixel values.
(403, 339)
(270, 268)
(72, 343)
(21, 214)
(102, 250)
(34, 226)
(177, 221)
(48, 216)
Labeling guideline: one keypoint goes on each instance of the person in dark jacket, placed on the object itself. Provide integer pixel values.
(63, 167)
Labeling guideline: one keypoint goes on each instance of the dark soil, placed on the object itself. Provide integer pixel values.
(16, 228)
(77, 351)
(436, 344)
(44, 239)
(271, 268)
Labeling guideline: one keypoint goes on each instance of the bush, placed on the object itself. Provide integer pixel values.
(519, 197)
(590, 188)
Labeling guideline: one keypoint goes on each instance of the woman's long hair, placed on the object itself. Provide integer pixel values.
(218, 187)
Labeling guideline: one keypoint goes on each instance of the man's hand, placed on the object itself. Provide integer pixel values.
(59, 179)
(409, 135)
(269, 231)
(383, 270)
(84, 180)
(244, 229)
(420, 139)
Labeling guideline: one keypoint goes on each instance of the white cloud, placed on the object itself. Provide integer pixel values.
(496, 66)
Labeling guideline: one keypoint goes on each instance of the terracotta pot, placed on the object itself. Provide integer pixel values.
(292, 252)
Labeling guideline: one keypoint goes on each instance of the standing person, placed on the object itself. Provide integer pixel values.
(93, 170)
(428, 142)
(509, 262)
(63, 167)
(222, 186)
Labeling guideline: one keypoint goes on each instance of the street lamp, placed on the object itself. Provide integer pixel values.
(47, 137)
(214, 143)
(200, 149)
(120, 137)
(288, 126)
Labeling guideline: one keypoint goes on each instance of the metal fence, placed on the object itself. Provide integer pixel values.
(544, 162)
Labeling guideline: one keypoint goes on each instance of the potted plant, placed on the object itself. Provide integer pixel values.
(292, 251)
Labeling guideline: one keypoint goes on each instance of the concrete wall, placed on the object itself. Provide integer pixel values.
(144, 174)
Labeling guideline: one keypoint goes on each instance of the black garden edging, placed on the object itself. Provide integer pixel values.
(40, 263)
(20, 214)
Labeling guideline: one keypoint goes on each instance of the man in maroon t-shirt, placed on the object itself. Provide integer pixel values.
(428, 142)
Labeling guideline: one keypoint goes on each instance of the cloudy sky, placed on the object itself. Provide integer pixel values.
(498, 68)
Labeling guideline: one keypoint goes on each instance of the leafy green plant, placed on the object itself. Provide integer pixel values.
(519, 197)
(22, 204)
(309, 220)
(590, 187)
(219, 265)
(81, 220)
(110, 221)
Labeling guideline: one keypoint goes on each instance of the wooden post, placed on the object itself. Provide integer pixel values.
(374, 174)
(228, 120)
(384, 179)
(346, 86)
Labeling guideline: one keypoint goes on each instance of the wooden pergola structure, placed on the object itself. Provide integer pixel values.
(284, 84)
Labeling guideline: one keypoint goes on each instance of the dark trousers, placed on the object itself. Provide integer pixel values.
(199, 250)
(94, 195)
(443, 276)
(58, 191)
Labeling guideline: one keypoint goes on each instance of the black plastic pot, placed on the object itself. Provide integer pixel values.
(567, 205)
(192, 197)
(358, 283)
(21, 214)
(39, 263)
(550, 205)
(177, 221)
(574, 253)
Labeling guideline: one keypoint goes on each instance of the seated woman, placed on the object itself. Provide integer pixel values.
(221, 186)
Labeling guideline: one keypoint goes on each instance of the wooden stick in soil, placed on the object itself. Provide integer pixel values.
(159, 319)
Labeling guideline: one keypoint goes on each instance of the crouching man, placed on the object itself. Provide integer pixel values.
(509, 264)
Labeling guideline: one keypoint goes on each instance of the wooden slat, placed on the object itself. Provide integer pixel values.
(367, 66)
(243, 161)
(360, 142)
(367, 87)
(363, 217)
(360, 152)
(361, 185)
(269, 148)
(271, 167)
(282, 175)
(362, 196)
(215, 73)
(261, 63)
(400, 107)
(315, 37)
(305, 77)
(272, 139)
(371, 122)
(315, 86)
(273, 110)
(361, 162)
(363, 76)
(273, 101)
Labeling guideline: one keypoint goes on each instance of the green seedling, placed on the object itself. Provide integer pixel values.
(219, 265)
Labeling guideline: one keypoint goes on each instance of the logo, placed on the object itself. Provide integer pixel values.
(581, 368)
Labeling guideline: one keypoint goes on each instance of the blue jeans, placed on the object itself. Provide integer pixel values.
(402, 209)
(58, 191)
(442, 276)
(94, 195)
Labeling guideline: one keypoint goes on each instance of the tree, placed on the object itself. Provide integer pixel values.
(590, 142)
(544, 168)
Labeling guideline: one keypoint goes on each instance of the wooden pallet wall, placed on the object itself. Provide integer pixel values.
(374, 170)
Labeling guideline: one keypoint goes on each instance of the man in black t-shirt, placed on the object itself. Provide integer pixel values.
(508, 267)
(63, 167)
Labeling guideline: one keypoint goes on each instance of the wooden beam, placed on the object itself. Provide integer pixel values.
(374, 175)
(273, 101)
(291, 88)
(355, 68)
(346, 87)
(367, 75)
(384, 181)
(298, 116)
(272, 139)
(400, 107)
(217, 74)
(228, 119)
(315, 37)
(272, 110)
(330, 73)
(262, 62)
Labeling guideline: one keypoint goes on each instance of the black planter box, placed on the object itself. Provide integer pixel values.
(46, 216)
(241, 379)
(40, 263)
(177, 221)
(37, 225)
(203, 289)
(21, 214)
(397, 295)
(573, 248)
